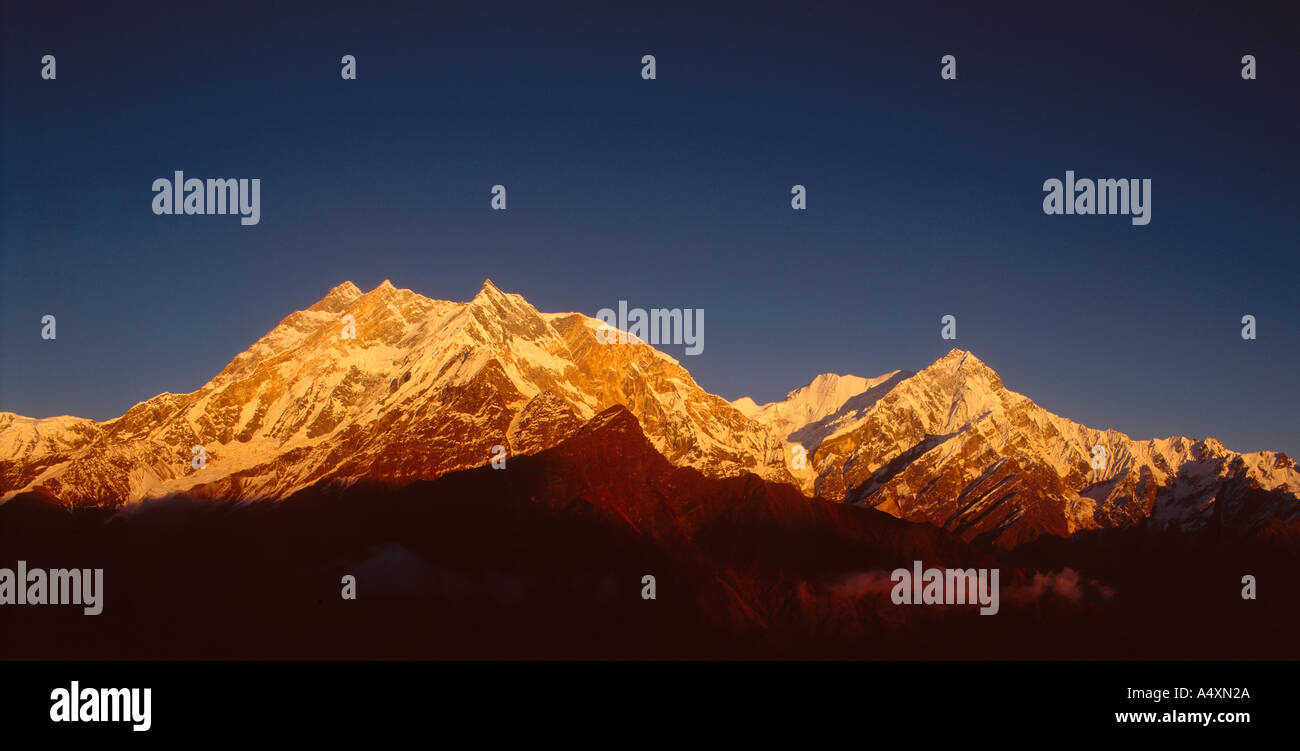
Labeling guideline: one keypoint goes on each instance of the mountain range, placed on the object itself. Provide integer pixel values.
(428, 387)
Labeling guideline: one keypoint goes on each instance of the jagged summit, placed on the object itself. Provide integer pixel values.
(382, 291)
(964, 362)
(345, 295)
(346, 289)
(338, 298)
(489, 294)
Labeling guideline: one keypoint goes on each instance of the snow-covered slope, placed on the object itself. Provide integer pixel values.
(424, 388)
(953, 447)
(829, 405)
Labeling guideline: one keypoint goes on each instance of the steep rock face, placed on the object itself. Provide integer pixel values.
(423, 388)
(951, 446)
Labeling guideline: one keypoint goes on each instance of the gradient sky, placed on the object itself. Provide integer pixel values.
(924, 196)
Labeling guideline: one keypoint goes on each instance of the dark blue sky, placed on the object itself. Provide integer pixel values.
(924, 195)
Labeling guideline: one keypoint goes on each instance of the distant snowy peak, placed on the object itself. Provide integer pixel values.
(829, 403)
(825, 394)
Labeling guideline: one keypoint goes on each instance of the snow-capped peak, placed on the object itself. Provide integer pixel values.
(420, 387)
